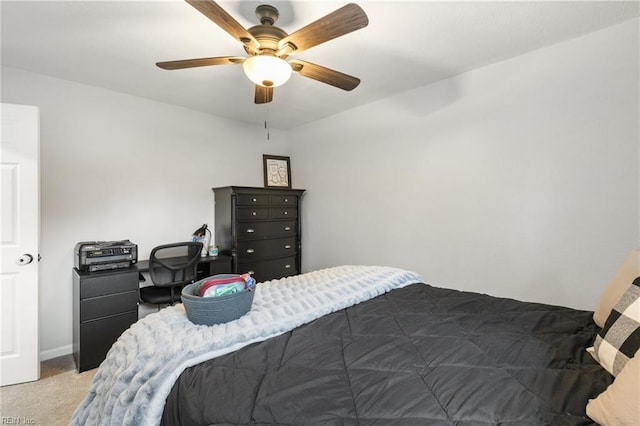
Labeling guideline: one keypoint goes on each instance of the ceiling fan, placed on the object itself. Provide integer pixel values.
(269, 46)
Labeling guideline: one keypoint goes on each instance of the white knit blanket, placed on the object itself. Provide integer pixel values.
(132, 384)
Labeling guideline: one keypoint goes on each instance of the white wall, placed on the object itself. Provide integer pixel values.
(115, 166)
(520, 179)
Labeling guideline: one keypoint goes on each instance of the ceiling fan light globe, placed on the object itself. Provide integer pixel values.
(267, 70)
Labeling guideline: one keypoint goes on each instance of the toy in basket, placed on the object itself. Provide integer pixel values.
(218, 299)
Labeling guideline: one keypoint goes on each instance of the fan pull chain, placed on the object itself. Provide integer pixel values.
(266, 120)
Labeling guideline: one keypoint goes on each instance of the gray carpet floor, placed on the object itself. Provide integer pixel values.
(49, 401)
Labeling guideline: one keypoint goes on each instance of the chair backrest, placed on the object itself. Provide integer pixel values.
(174, 264)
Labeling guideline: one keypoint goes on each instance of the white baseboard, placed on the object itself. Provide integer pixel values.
(56, 352)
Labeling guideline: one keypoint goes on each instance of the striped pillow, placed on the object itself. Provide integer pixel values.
(619, 339)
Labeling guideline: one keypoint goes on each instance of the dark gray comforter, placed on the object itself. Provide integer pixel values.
(419, 355)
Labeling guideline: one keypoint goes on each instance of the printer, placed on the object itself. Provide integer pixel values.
(105, 255)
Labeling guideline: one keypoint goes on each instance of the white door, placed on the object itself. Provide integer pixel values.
(19, 234)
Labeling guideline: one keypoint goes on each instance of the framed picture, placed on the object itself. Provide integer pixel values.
(277, 171)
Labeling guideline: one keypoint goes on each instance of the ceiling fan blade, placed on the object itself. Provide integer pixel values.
(200, 62)
(263, 94)
(342, 21)
(220, 17)
(324, 75)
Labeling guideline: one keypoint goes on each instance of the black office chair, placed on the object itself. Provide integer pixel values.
(171, 267)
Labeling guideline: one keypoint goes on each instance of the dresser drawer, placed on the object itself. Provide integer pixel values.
(260, 230)
(252, 200)
(248, 213)
(256, 249)
(284, 200)
(269, 269)
(283, 212)
(104, 306)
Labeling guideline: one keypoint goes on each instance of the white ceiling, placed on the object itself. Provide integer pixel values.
(408, 44)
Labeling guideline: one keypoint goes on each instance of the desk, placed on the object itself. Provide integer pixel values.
(207, 266)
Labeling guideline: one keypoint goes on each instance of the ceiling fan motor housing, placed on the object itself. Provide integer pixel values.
(268, 36)
(266, 33)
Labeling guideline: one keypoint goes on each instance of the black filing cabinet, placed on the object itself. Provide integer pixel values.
(104, 305)
(261, 229)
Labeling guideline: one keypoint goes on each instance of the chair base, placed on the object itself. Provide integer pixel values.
(160, 295)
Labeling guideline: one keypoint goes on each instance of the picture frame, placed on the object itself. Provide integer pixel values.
(277, 171)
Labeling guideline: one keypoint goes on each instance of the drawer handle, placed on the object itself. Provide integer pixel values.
(255, 200)
(287, 247)
(286, 212)
(286, 200)
(253, 213)
(251, 272)
(287, 266)
(250, 250)
(287, 228)
(251, 231)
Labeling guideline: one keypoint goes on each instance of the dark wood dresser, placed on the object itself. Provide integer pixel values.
(261, 229)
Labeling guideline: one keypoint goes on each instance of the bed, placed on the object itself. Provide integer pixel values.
(355, 346)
